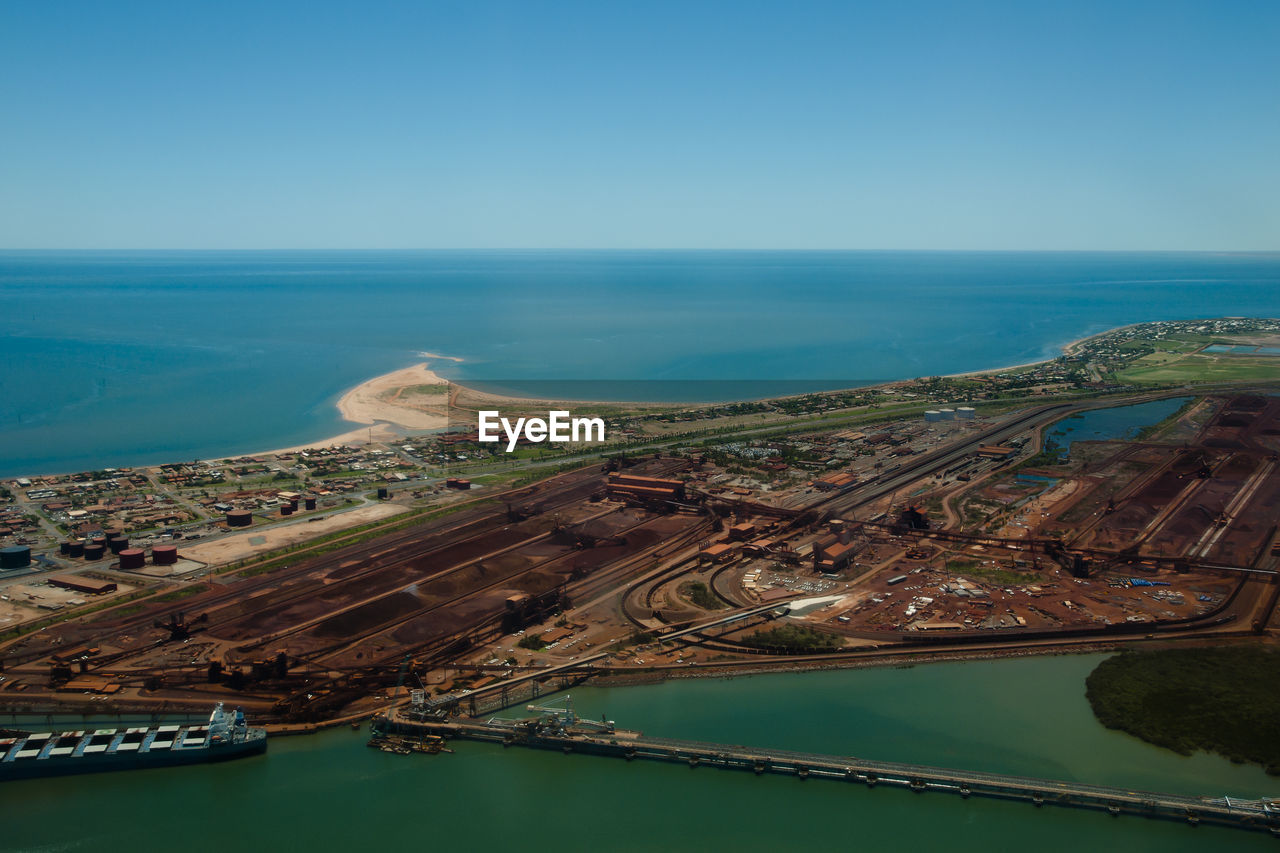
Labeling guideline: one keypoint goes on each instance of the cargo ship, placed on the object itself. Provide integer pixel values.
(225, 736)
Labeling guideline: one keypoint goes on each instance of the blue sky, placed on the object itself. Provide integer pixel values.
(977, 125)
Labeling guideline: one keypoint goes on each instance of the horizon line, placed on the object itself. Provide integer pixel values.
(611, 249)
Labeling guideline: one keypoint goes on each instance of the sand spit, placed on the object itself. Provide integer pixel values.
(413, 398)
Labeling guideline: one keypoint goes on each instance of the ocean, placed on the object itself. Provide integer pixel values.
(127, 358)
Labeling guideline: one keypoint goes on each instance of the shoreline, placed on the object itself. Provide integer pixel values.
(360, 403)
(381, 420)
(378, 400)
(1068, 348)
(378, 420)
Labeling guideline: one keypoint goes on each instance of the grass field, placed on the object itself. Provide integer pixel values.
(1179, 357)
(1160, 367)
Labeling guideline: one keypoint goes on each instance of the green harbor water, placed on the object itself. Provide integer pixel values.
(330, 792)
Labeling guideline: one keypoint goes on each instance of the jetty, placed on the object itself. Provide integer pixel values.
(553, 727)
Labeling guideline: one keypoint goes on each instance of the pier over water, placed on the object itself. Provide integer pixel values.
(559, 728)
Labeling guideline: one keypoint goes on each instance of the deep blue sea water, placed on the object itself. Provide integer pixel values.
(123, 358)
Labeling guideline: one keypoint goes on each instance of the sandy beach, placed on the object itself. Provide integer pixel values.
(376, 434)
(1069, 348)
(418, 398)
(414, 398)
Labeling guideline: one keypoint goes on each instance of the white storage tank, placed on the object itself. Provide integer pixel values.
(947, 414)
(932, 415)
(965, 413)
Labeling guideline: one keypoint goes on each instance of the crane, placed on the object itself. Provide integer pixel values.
(565, 717)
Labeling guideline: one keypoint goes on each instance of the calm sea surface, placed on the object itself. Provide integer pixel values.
(330, 792)
(123, 358)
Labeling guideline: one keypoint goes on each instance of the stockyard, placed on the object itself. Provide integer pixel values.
(916, 540)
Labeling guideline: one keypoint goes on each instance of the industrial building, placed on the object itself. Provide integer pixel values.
(721, 552)
(832, 555)
(79, 584)
(648, 488)
(835, 481)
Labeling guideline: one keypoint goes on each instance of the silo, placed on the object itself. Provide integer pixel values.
(966, 413)
(132, 559)
(947, 414)
(94, 551)
(932, 416)
(309, 502)
(164, 555)
(15, 557)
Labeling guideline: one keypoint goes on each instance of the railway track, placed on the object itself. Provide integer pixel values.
(254, 594)
(349, 641)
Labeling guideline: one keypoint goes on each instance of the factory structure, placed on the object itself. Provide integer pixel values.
(82, 584)
(644, 488)
(99, 545)
(15, 557)
(962, 413)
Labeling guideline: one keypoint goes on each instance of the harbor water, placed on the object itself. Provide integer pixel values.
(329, 792)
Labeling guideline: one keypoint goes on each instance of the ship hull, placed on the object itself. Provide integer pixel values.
(37, 769)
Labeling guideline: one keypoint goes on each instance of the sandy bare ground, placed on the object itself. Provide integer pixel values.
(238, 547)
(390, 398)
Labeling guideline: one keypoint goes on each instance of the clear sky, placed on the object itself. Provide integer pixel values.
(1010, 124)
